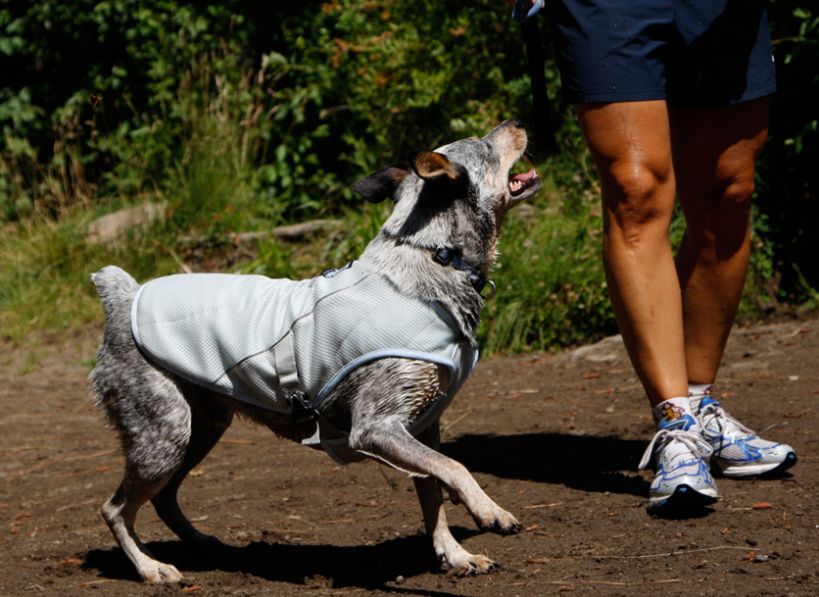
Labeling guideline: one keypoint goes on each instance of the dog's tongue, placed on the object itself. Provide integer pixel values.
(518, 182)
(524, 177)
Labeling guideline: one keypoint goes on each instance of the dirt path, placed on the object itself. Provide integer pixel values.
(554, 439)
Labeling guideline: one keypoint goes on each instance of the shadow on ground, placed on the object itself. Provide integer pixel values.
(583, 462)
(328, 566)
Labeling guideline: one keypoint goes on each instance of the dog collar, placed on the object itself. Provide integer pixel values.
(452, 258)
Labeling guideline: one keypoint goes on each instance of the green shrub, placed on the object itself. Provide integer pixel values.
(788, 182)
(242, 116)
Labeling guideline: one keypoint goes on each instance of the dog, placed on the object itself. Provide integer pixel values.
(171, 398)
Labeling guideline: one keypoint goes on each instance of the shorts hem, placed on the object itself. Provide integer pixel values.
(604, 97)
(747, 95)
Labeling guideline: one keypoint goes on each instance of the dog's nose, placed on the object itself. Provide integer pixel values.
(508, 127)
(511, 123)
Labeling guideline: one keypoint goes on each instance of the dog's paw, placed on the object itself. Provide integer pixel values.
(467, 564)
(159, 573)
(505, 524)
(498, 521)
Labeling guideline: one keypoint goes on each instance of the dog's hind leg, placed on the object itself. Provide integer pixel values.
(154, 422)
(209, 420)
(449, 552)
(120, 513)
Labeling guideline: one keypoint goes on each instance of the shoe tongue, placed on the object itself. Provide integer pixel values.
(720, 423)
(675, 413)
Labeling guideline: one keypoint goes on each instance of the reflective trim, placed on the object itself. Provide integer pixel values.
(134, 330)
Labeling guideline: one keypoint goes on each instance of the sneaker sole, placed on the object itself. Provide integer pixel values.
(684, 499)
(754, 470)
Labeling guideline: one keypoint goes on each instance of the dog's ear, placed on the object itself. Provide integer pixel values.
(431, 165)
(382, 184)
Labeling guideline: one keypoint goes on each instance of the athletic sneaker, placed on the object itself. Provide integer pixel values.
(738, 451)
(683, 479)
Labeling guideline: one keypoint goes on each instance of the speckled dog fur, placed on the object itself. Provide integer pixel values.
(454, 198)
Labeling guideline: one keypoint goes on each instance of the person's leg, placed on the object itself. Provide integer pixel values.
(631, 147)
(715, 151)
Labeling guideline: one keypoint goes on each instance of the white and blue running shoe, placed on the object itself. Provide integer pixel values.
(683, 479)
(738, 451)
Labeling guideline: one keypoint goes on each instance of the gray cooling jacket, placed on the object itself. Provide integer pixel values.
(264, 341)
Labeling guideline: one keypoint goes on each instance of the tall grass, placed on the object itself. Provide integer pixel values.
(210, 186)
(45, 286)
(39, 279)
(551, 288)
(45, 257)
(551, 291)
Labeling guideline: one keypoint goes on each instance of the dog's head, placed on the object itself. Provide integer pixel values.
(456, 196)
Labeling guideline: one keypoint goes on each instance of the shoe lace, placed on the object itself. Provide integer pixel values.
(713, 415)
(690, 439)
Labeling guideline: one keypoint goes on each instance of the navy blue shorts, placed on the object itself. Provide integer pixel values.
(688, 52)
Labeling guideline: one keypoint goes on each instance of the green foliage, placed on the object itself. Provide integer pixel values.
(788, 188)
(242, 116)
(551, 287)
(366, 83)
(453, 68)
(105, 76)
(211, 184)
(44, 280)
(356, 80)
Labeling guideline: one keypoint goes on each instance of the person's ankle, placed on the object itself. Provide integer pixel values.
(675, 413)
(696, 392)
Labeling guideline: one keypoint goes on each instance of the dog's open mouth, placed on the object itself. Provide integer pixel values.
(518, 183)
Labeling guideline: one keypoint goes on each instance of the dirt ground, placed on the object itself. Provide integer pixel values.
(553, 438)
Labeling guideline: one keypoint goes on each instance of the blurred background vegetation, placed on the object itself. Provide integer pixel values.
(239, 116)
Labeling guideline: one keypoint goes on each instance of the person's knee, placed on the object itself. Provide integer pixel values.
(737, 193)
(719, 230)
(731, 185)
(635, 199)
(726, 212)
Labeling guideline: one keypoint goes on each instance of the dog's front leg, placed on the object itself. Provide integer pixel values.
(389, 441)
(449, 552)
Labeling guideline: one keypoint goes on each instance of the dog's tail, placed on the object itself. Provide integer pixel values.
(115, 286)
(116, 289)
